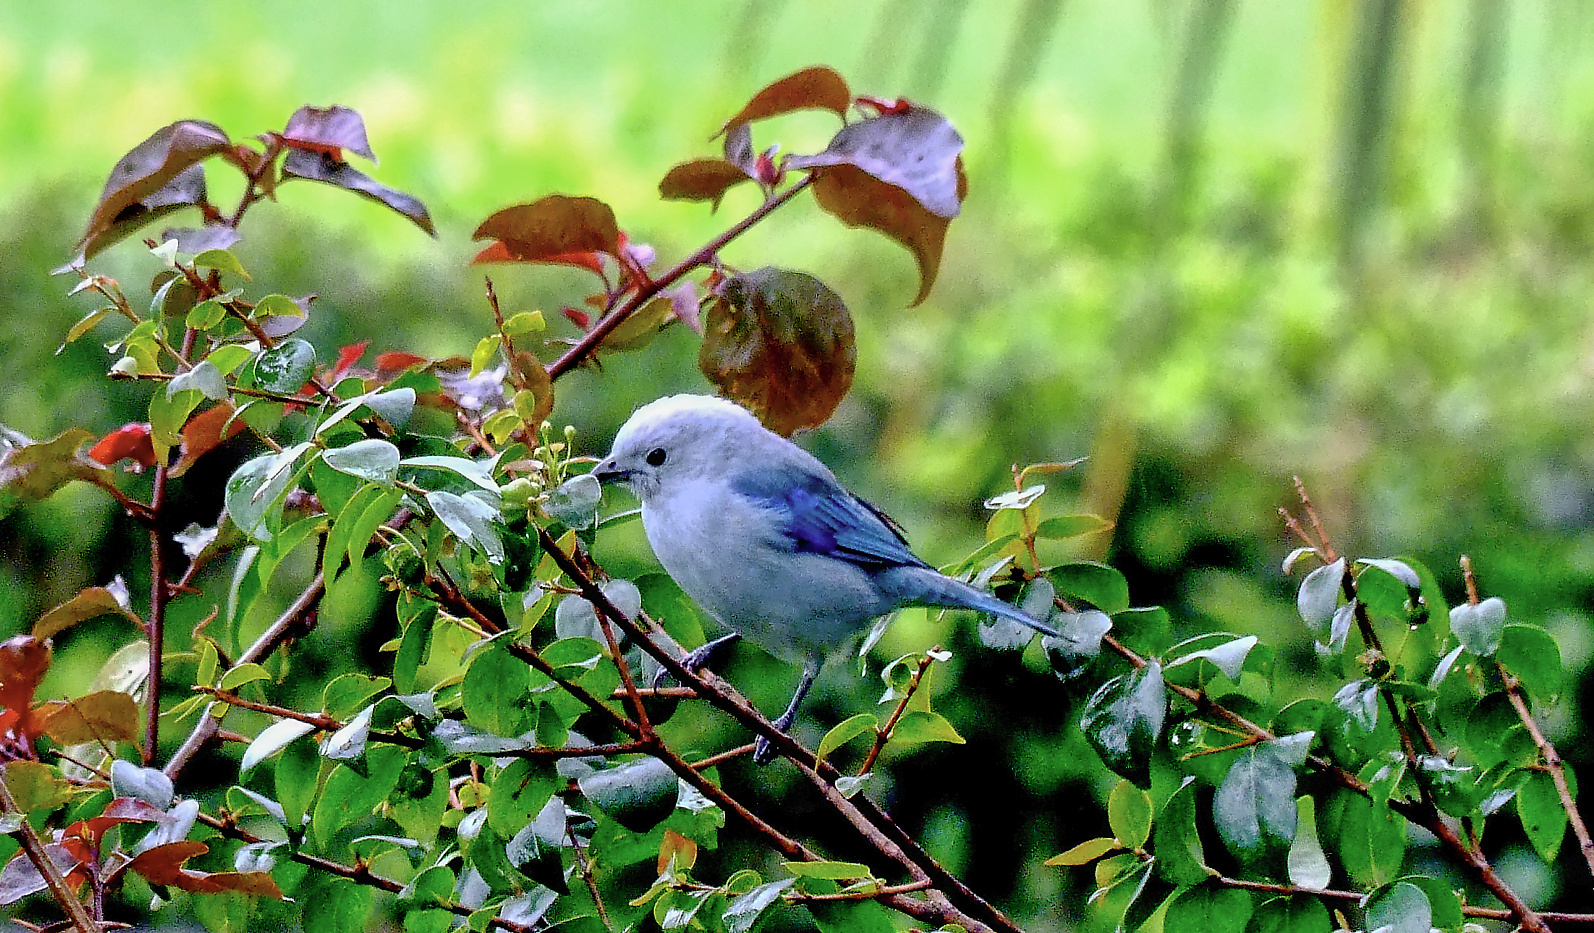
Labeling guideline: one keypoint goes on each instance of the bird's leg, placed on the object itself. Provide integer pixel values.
(763, 752)
(700, 658)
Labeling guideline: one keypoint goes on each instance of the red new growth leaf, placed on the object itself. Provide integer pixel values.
(118, 811)
(135, 188)
(204, 433)
(328, 130)
(23, 663)
(163, 864)
(701, 180)
(817, 88)
(882, 106)
(396, 361)
(347, 357)
(780, 343)
(578, 317)
(128, 441)
(556, 229)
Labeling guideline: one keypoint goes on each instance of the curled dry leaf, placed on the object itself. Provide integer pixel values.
(817, 88)
(557, 228)
(780, 343)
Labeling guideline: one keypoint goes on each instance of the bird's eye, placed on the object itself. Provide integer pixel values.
(656, 457)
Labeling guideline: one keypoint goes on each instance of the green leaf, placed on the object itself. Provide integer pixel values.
(254, 490)
(205, 377)
(373, 460)
(744, 911)
(919, 726)
(637, 795)
(1533, 656)
(1299, 913)
(1129, 814)
(494, 690)
(1124, 718)
(485, 353)
(1086, 852)
(471, 520)
(272, 739)
(1227, 656)
(1097, 584)
(286, 367)
(350, 795)
(1308, 866)
(37, 788)
(350, 692)
(206, 314)
(243, 674)
(1399, 907)
(1209, 907)
(223, 260)
(833, 871)
(534, 849)
(1370, 838)
(477, 472)
(1319, 596)
(1254, 808)
(90, 602)
(519, 793)
(575, 501)
(1062, 527)
(1181, 859)
(524, 322)
(845, 732)
(1543, 815)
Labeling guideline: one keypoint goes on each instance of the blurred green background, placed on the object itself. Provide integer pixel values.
(1210, 244)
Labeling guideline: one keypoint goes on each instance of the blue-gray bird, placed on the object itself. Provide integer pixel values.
(765, 539)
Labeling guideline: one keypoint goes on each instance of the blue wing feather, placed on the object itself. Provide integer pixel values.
(824, 518)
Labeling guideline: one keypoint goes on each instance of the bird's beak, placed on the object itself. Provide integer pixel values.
(607, 472)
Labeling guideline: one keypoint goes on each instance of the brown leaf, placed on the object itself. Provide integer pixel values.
(107, 716)
(329, 130)
(163, 864)
(551, 230)
(34, 469)
(23, 663)
(151, 166)
(203, 433)
(327, 169)
(534, 400)
(701, 180)
(858, 199)
(817, 88)
(90, 602)
(915, 149)
(780, 343)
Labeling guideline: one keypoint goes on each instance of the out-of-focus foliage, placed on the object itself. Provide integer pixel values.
(1210, 244)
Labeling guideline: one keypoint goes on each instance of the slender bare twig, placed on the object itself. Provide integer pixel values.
(882, 735)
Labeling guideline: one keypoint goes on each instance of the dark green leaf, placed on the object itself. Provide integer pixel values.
(471, 520)
(1255, 805)
(1359, 702)
(519, 793)
(1443, 902)
(494, 692)
(1399, 907)
(373, 460)
(745, 910)
(1294, 914)
(637, 794)
(1180, 856)
(1533, 656)
(1124, 720)
(848, 730)
(1543, 814)
(1209, 908)
(286, 367)
(1097, 584)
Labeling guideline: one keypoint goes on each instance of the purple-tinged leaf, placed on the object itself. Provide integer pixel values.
(330, 130)
(322, 167)
(817, 88)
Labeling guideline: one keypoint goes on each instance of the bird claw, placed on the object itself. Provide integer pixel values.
(700, 658)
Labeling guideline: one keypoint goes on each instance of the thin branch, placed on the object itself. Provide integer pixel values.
(1552, 762)
(883, 734)
(584, 347)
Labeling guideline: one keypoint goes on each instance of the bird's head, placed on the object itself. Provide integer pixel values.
(677, 438)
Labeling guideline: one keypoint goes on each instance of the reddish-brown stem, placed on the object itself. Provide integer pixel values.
(1553, 763)
(33, 848)
(584, 347)
(883, 734)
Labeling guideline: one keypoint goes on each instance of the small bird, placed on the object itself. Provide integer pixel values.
(765, 539)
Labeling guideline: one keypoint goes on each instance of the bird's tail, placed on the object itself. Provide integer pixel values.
(922, 586)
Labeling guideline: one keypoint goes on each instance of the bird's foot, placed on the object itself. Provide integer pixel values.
(700, 658)
(763, 750)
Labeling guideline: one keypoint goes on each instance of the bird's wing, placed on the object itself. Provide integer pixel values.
(821, 517)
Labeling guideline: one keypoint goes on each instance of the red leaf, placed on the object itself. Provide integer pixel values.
(143, 173)
(396, 361)
(701, 180)
(23, 663)
(578, 317)
(556, 229)
(347, 357)
(203, 433)
(129, 440)
(882, 106)
(163, 864)
(118, 811)
(817, 88)
(328, 130)
(780, 343)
